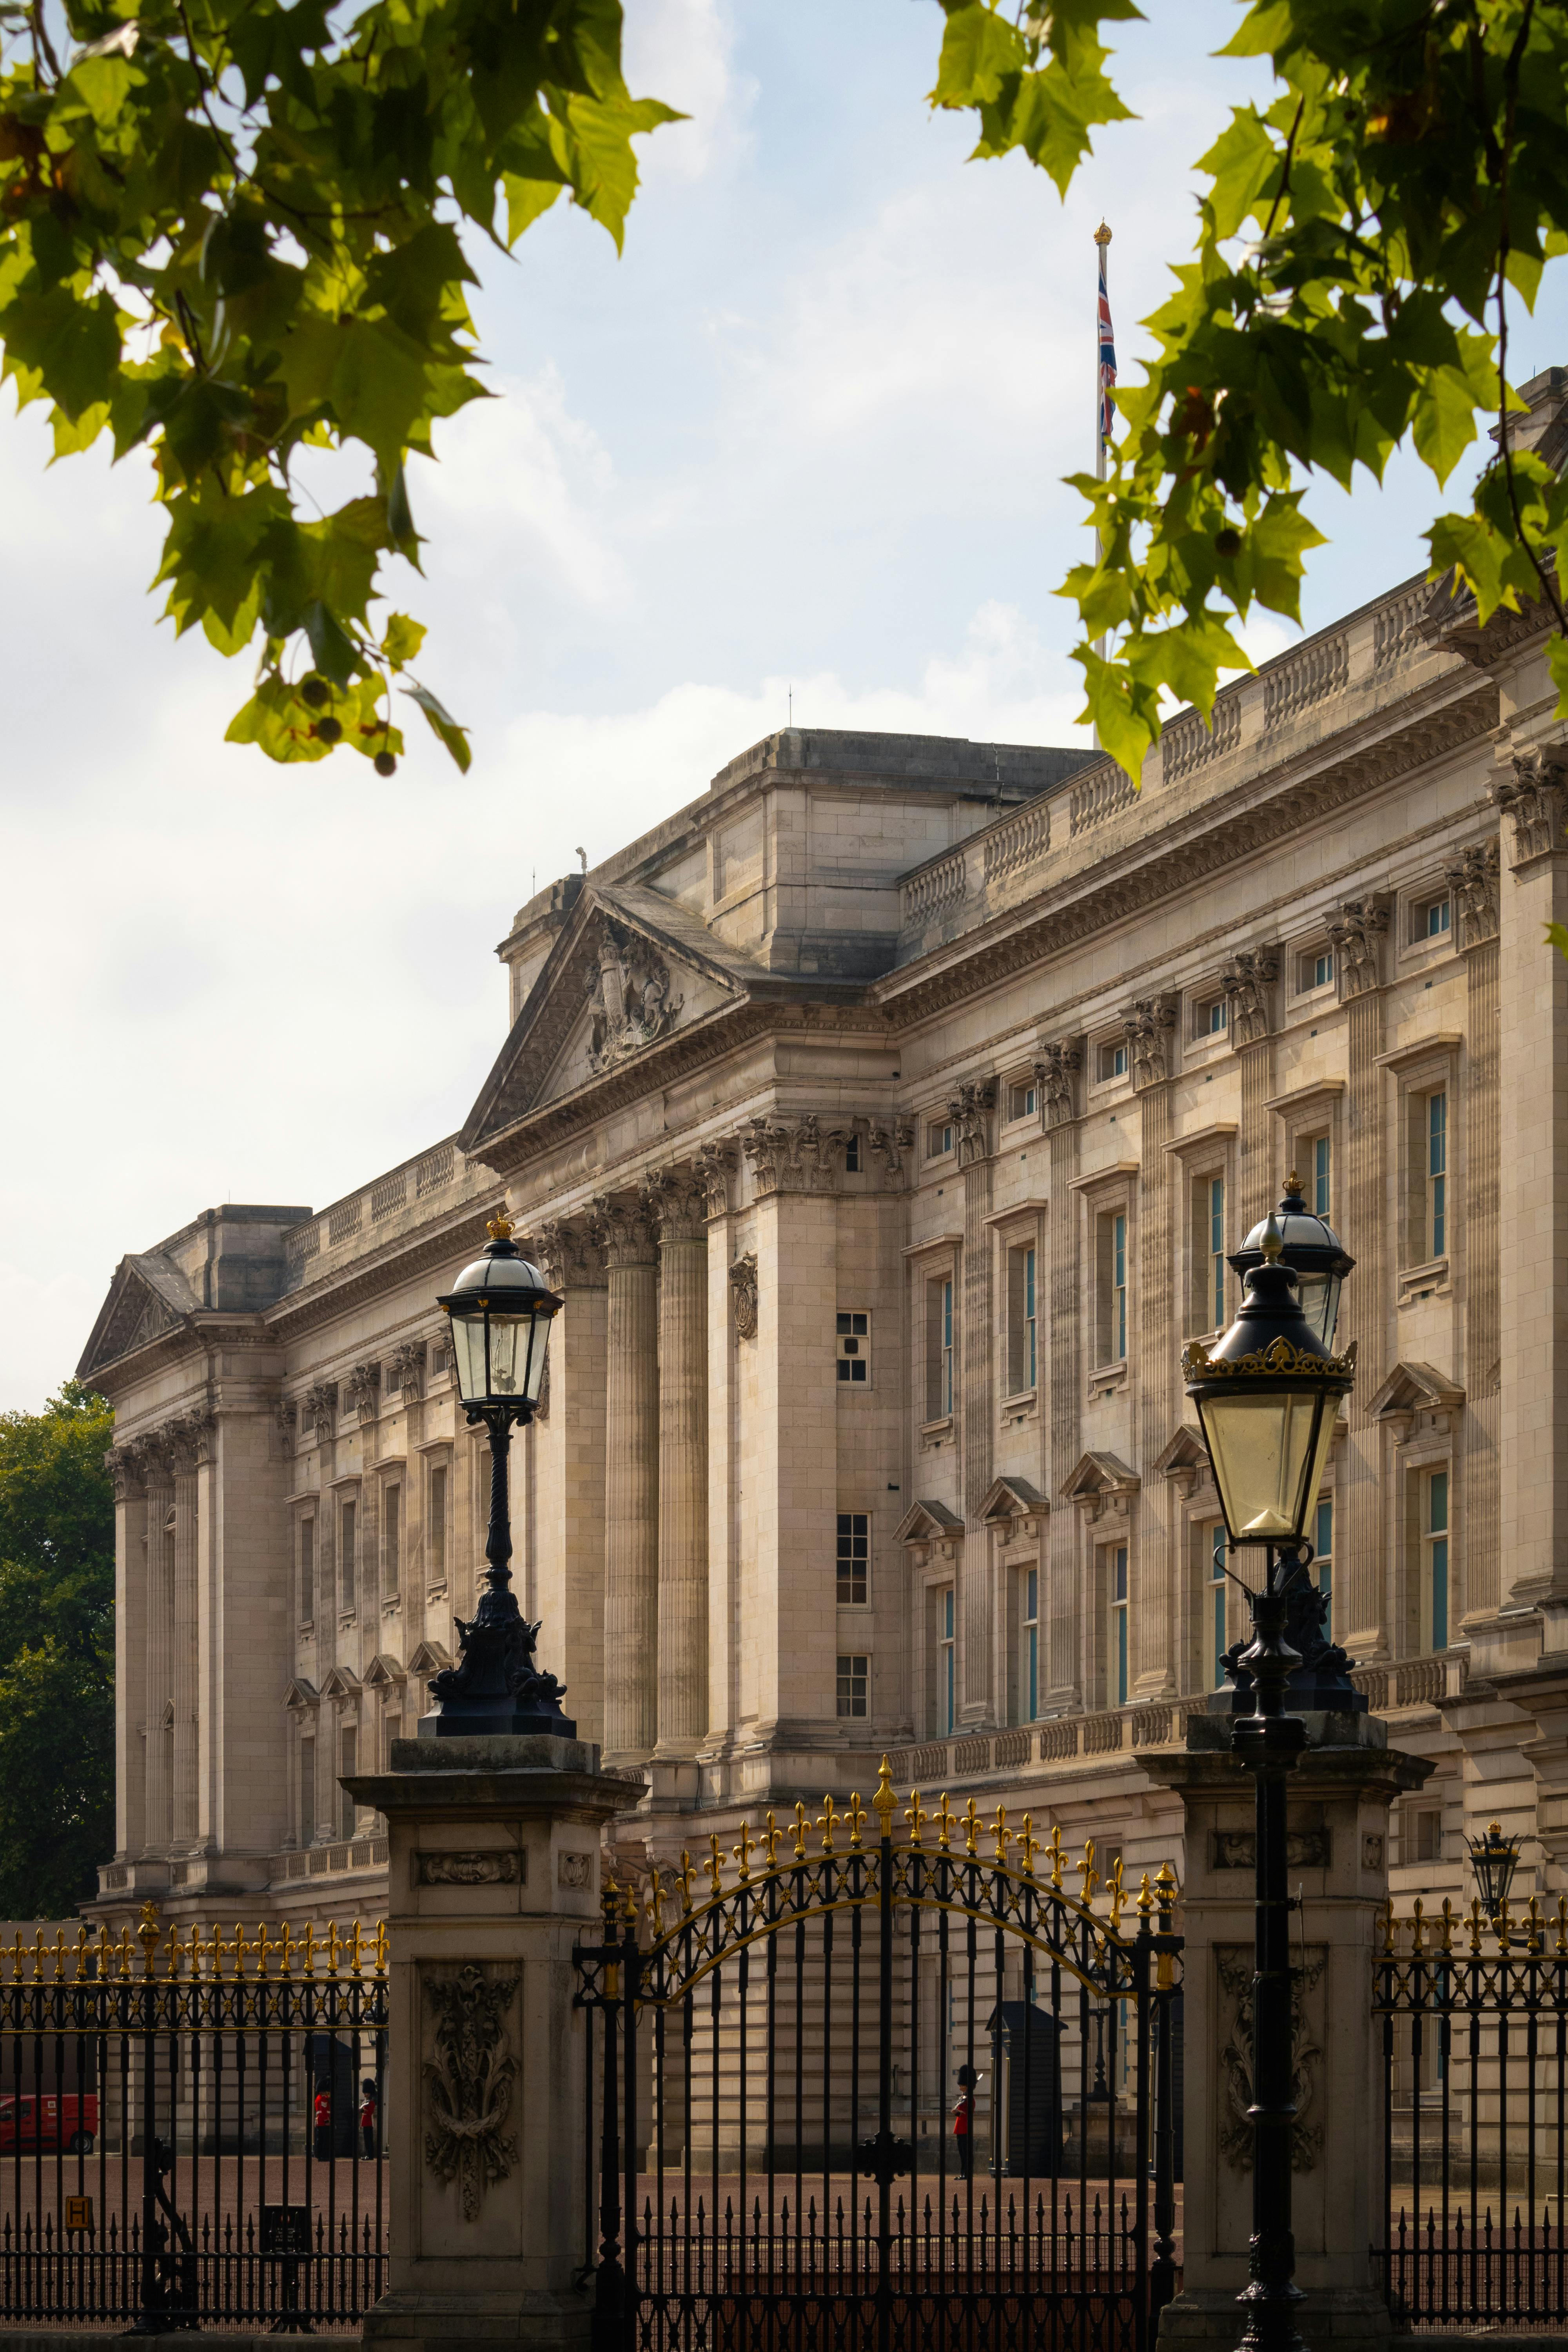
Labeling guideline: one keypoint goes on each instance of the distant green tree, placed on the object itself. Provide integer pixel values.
(56, 1654)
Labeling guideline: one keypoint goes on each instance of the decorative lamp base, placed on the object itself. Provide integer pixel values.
(502, 1722)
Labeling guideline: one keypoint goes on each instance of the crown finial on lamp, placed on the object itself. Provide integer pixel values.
(1293, 1188)
(1102, 234)
(500, 1227)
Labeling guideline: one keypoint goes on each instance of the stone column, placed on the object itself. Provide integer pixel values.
(1473, 880)
(1339, 1799)
(1155, 1347)
(127, 1468)
(679, 1208)
(732, 1310)
(493, 1877)
(1357, 933)
(980, 1702)
(1534, 1220)
(569, 1457)
(159, 1645)
(631, 1482)
(1057, 1072)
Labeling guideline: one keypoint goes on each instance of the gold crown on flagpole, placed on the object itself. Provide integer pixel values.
(1102, 234)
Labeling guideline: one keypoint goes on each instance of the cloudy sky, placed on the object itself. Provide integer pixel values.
(807, 433)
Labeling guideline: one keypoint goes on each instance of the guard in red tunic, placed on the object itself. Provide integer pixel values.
(963, 2122)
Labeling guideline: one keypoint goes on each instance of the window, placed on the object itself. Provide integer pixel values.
(946, 1687)
(1435, 1559)
(852, 1155)
(939, 1138)
(1022, 1099)
(854, 1347)
(348, 1749)
(939, 1348)
(1211, 1017)
(346, 1549)
(1315, 969)
(1117, 1676)
(1112, 1270)
(391, 1539)
(1021, 1339)
(307, 1570)
(307, 1791)
(436, 1547)
(1318, 1165)
(1436, 1125)
(1208, 1267)
(1029, 1645)
(1323, 1565)
(1110, 1062)
(1433, 918)
(854, 1551)
(1425, 1835)
(1217, 1644)
(852, 1679)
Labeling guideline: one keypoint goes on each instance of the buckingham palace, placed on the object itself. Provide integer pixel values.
(887, 1117)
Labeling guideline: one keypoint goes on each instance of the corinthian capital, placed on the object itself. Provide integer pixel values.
(794, 1155)
(1057, 1067)
(569, 1253)
(676, 1200)
(624, 1229)
(716, 1163)
(1533, 799)
(1147, 1026)
(1355, 932)
(970, 1113)
(1246, 981)
(1472, 877)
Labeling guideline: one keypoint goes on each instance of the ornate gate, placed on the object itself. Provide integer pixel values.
(790, 2034)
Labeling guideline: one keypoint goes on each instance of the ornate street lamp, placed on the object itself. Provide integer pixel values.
(499, 1311)
(1268, 1398)
(1314, 1252)
(1494, 1859)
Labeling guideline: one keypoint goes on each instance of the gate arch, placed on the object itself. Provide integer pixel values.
(830, 1975)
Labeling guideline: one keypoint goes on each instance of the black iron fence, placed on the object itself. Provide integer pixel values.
(863, 2090)
(192, 2127)
(1474, 2054)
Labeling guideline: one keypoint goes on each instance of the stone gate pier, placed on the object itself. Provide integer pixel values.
(493, 1876)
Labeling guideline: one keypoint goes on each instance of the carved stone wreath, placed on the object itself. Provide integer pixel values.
(1236, 2057)
(469, 2085)
(744, 1296)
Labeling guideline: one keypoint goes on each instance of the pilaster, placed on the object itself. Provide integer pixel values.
(1534, 1215)
(569, 1460)
(1150, 1027)
(1248, 981)
(1357, 932)
(732, 1311)
(1058, 1073)
(679, 1207)
(1472, 878)
(158, 1819)
(981, 1701)
(127, 1468)
(631, 1480)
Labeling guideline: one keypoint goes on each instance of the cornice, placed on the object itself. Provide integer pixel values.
(1255, 814)
(365, 1277)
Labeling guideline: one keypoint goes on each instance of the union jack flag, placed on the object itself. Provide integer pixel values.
(1107, 356)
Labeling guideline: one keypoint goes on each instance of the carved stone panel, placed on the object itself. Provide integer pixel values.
(576, 1871)
(744, 1296)
(1234, 1962)
(1237, 1849)
(469, 2081)
(505, 1866)
(629, 1003)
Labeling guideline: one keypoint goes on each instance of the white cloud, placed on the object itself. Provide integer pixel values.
(683, 52)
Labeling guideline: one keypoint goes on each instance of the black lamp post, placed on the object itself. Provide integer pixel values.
(1267, 1399)
(1314, 1252)
(499, 1311)
(1494, 1859)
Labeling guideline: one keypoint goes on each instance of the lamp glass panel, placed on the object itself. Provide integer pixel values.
(538, 1341)
(468, 1354)
(1320, 1303)
(1268, 1457)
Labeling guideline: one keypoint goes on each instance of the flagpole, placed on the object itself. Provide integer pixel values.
(1102, 285)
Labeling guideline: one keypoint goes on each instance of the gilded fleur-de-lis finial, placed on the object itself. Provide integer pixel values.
(971, 1827)
(916, 1816)
(714, 1865)
(946, 1823)
(742, 1851)
(1117, 1897)
(1415, 1942)
(884, 1800)
(771, 1837)
(687, 1876)
(828, 1821)
(147, 1934)
(1447, 1930)
(856, 1818)
(1058, 1855)
(1028, 1847)
(1475, 1923)
(1560, 1945)
(1088, 1872)
(999, 1832)
(655, 1899)
(801, 1826)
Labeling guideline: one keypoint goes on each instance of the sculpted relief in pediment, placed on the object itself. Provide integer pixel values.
(629, 1000)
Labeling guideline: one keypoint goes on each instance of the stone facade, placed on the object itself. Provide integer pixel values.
(885, 1116)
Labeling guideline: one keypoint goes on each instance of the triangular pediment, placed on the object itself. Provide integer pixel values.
(1012, 1498)
(927, 1523)
(430, 1658)
(147, 1297)
(300, 1695)
(1099, 1473)
(1415, 1388)
(382, 1671)
(340, 1684)
(626, 973)
(1185, 1455)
